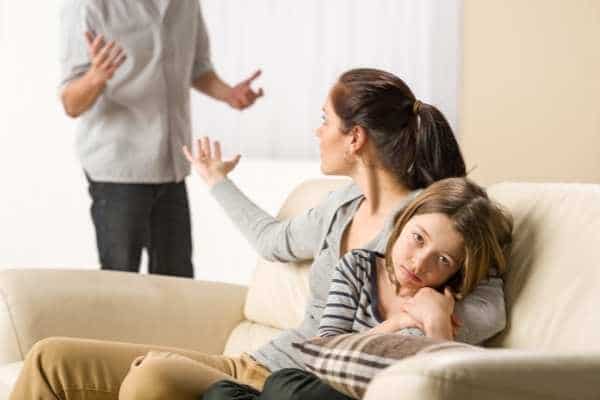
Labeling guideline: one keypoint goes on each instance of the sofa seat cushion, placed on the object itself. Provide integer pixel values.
(248, 336)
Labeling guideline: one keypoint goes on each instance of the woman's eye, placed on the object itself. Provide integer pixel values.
(444, 260)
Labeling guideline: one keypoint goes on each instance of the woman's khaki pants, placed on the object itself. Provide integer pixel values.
(77, 369)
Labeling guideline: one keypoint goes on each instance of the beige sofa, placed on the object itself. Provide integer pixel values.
(550, 349)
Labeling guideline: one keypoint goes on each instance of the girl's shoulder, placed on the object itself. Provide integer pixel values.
(361, 261)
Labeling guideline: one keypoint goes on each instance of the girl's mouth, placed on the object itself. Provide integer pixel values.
(411, 275)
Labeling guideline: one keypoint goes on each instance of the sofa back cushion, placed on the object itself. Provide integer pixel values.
(552, 287)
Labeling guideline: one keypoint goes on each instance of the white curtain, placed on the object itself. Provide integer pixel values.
(303, 46)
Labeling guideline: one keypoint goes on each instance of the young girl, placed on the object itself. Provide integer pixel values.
(451, 237)
(447, 240)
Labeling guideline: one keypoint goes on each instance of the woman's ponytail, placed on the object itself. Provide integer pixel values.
(413, 139)
(437, 155)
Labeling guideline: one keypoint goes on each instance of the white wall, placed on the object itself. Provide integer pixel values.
(302, 47)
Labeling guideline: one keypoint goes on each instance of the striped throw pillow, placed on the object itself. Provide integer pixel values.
(349, 362)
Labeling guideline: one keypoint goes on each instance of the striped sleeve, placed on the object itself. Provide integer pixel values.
(344, 297)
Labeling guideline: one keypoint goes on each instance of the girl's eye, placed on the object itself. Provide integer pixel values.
(444, 260)
(418, 238)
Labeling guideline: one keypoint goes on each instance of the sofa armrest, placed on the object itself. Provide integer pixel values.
(491, 375)
(119, 306)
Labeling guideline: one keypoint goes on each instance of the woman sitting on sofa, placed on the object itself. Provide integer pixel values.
(449, 239)
(376, 132)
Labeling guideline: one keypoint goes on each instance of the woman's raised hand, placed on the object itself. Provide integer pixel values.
(207, 161)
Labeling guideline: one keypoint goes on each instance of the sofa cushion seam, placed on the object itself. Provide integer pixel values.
(12, 321)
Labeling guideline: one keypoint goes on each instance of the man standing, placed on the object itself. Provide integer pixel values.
(127, 80)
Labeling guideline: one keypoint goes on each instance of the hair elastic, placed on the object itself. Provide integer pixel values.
(416, 106)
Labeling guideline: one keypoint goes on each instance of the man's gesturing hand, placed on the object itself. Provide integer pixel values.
(106, 57)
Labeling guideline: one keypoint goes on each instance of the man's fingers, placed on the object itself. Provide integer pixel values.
(255, 75)
(116, 58)
(97, 44)
(109, 61)
(104, 53)
(89, 38)
(120, 60)
(235, 160)
(260, 93)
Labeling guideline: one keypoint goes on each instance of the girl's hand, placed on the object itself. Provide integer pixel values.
(397, 322)
(208, 163)
(434, 310)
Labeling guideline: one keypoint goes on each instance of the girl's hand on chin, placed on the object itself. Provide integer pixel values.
(208, 162)
(428, 305)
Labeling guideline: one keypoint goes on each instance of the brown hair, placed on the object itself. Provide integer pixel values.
(485, 227)
(413, 139)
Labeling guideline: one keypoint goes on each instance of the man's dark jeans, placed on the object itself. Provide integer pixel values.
(130, 216)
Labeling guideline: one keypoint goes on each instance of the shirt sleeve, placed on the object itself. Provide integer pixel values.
(75, 20)
(202, 62)
(343, 298)
(293, 239)
(482, 312)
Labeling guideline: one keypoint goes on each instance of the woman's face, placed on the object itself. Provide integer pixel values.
(332, 142)
(428, 252)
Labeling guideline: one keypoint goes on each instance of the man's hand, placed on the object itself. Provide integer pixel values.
(241, 95)
(105, 58)
(79, 95)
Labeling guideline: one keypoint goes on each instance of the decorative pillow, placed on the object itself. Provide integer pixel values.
(349, 362)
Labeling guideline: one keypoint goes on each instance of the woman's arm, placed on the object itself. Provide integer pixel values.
(293, 239)
(289, 240)
(482, 312)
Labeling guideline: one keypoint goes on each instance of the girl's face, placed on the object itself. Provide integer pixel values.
(332, 142)
(428, 252)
